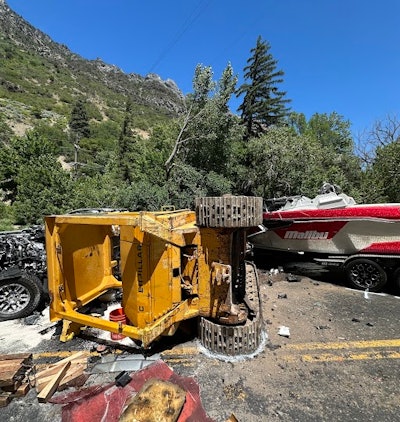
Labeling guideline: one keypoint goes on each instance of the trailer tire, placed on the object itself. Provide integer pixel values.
(363, 274)
(396, 279)
(20, 296)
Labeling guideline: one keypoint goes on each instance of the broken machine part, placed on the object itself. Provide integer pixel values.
(23, 273)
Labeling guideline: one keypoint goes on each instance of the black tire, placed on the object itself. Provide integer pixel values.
(396, 279)
(20, 296)
(365, 274)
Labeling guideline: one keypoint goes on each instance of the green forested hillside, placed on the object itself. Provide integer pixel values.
(77, 133)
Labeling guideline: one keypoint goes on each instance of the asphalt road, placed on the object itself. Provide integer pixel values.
(340, 361)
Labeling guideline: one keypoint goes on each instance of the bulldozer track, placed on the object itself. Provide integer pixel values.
(240, 339)
(229, 211)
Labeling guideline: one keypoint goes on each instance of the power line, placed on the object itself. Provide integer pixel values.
(190, 20)
(242, 35)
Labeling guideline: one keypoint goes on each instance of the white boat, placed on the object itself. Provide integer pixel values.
(332, 229)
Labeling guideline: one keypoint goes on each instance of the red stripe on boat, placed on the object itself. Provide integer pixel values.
(383, 247)
(389, 211)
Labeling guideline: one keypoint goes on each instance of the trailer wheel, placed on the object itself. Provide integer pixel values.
(396, 279)
(365, 274)
(19, 296)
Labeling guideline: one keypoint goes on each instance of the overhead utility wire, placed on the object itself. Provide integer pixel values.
(190, 20)
(240, 37)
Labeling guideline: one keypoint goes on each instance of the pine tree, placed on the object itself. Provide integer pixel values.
(264, 104)
(79, 121)
(124, 145)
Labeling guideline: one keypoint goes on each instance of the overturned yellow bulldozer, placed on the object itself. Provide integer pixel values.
(171, 265)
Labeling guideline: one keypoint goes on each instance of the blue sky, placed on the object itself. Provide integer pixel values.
(337, 55)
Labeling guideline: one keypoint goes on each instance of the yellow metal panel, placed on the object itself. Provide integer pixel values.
(86, 261)
(79, 263)
(134, 273)
(53, 269)
(147, 266)
(165, 263)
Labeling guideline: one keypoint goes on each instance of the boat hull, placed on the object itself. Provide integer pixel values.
(373, 229)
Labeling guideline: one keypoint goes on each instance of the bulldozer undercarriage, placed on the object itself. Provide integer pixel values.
(237, 340)
(170, 265)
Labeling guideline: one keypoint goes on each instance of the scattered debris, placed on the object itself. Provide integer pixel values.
(284, 331)
(322, 327)
(275, 274)
(32, 319)
(355, 320)
(109, 401)
(122, 379)
(292, 278)
(157, 400)
(25, 249)
(273, 347)
(14, 378)
(131, 362)
(282, 296)
(64, 373)
(102, 349)
(22, 273)
(52, 385)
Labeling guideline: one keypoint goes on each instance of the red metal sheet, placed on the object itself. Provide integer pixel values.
(108, 402)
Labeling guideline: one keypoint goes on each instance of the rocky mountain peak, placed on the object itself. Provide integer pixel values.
(151, 90)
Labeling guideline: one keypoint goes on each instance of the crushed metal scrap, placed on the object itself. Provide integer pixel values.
(24, 249)
(151, 391)
(23, 272)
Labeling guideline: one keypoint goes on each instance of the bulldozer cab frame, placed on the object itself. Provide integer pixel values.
(172, 266)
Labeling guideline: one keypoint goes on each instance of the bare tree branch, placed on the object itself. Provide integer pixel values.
(382, 133)
(179, 141)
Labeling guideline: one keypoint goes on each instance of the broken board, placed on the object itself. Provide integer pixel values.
(68, 371)
(13, 376)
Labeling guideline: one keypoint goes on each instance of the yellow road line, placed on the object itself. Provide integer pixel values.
(184, 354)
(330, 357)
(344, 345)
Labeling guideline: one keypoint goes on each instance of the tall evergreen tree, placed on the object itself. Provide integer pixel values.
(124, 145)
(79, 121)
(5, 131)
(264, 104)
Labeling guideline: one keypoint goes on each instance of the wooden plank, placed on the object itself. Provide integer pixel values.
(12, 368)
(51, 387)
(48, 373)
(9, 365)
(22, 390)
(16, 356)
(12, 387)
(11, 371)
(9, 378)
(74, 371)
(5, 398)
(76, 382)
(54, 368)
